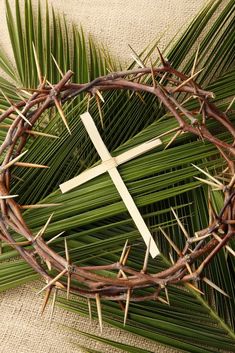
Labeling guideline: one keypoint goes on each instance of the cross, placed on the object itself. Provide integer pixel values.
(109, 164)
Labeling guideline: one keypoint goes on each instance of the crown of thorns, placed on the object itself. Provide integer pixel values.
(123, 287)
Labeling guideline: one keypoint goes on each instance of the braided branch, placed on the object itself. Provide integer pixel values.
(210, 240)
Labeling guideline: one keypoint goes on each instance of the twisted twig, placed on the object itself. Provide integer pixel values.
(128, 280)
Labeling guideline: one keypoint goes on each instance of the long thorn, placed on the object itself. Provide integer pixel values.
(55, 237)
(208, 182)
(208, 175)
(53, 280)
(177, 250)
(195, 61)
(214, 286)
(53, 304)
(230, 105)
(5, 197)
(89, 308)
(164, 63)
(100, 111)
(136, 57)
(43, 229)
(40, 205)
(99, 311)
(146, 258)
(37, 65)
(21, 115)
(152, 74)
(60, 110)
(68, 262)
(186, 81)
(43, 134)
(123, 252)
(30, 165)
(13, 161)
(57, 65)
(47, 296)
(180, 224)
(190, 285)
(128, 297)
(173, 138)
(227, 247)
(167, 295)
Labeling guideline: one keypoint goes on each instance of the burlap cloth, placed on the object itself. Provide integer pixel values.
(116, 23)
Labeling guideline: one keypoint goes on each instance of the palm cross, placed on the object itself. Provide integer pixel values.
(109, 164)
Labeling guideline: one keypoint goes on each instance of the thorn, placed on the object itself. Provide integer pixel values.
(230, 105)
(13, 161)
(212, 214)
(100, 111)
(166, 133)
(152, 74)
(123, 274)
(195, 61)
(177, 250)
(227, 247)
(164, 63)
(180, 224)
(146, 258)
(88, 96)
(7, 99)
(21, 115)
(99, 95)
(89, 308)
(53, 281)
(189, 268)
(162, 300)
(48, 264)
(140, 97)
(37, 133)
(123, 253)
(37, 65)
(99, 311)
(128, 297)
(208, 175)
(198, 238)
(123, 258)
(5, 197)
(66, 250)
(68, 263)
(173, 138)
(136, 57)
(53, 304)
(31, 165)
(60, 110)
(42, 205)
(208, 182)
(194, 288)
(167, 295)
(47, 296)
(186, 81)
(213, 285)
(57, 66)
(26, 92)
(54, 238)
(163, 78)
(43, 229)
(171, 258)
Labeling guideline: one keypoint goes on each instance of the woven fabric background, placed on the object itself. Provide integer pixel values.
(116, 23)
